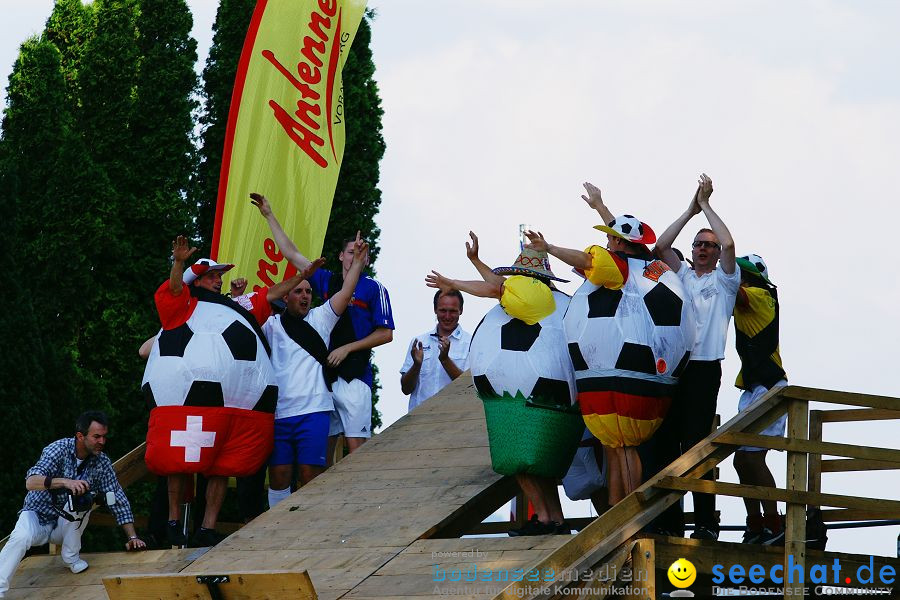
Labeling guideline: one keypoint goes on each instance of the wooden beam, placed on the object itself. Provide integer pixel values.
(853, 514)
(766, 409)
(257, 585)
(842, 465)
(795, 514)
(858, 414)
(777, 494)
(643, 561)
(835, 397)
(808, 446)
(814, 479)
(474, 511)
(131, 467)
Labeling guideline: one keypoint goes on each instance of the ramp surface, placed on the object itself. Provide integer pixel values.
(407, 483)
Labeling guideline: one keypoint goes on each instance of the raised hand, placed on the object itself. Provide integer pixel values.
(181, 251)
(360, 250)
(238, 286)
(260, 202)
(536, 241)
(436, 280)
(444, 343)
(706, 188)
(472, 251)
(594, 199)
(312, 267)
(417, 353)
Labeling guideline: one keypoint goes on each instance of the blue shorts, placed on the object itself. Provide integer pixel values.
(302, 439)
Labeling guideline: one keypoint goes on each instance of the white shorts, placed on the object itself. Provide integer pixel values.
(751, 396)
(352, 414)
(585, 477)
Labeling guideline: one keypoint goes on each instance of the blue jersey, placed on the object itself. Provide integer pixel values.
(370, 308)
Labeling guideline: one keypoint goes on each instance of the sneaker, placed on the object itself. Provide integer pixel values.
(176, 535)
(78, 566)
(206, 538)
(704, 533)
(535, 527)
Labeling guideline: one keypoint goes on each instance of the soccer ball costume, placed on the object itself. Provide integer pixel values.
(209, 384)
(630, 329)
(524, 376)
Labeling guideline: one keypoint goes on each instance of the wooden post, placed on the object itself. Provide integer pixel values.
(643, 569)
(814, 481)
(795, 527)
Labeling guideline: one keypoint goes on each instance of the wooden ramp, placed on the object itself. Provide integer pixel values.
(385, 522)
(427, 475)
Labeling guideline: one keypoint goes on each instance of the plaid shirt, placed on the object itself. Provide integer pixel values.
(58, 460)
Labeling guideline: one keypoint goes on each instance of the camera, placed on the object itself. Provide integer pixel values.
(86, 501)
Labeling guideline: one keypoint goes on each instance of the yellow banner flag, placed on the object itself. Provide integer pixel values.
(285, 136)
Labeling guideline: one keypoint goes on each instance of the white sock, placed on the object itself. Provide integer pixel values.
(276, 496)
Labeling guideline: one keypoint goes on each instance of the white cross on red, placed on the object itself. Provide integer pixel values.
(193, 439)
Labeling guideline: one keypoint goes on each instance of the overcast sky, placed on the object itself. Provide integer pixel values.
(497, 110)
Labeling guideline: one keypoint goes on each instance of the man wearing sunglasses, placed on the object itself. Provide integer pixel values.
(712, 283)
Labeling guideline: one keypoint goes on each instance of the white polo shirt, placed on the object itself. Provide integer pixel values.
(712, 295)
(301, 383)
(432, 376)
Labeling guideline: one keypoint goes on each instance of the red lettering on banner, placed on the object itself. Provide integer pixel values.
(266, 268)
(328, 7)
(301, 125)
(271, 250)
(300, 135)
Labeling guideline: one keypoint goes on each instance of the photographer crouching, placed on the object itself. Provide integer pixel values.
(70, 476)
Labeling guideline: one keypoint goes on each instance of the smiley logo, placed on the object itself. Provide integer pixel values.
(682, 573)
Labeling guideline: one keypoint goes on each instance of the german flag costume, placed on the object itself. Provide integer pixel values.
(630, 329)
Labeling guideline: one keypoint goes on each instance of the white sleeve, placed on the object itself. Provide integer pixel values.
(323, 319)
(729, 283)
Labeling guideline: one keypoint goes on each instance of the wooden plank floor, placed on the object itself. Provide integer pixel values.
(46, 577)
(343, 527)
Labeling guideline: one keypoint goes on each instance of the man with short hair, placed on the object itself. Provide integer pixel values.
(70, 467)
(439, 355)
(176, 301)
(367, 324)
(299, 339)
(712, 284)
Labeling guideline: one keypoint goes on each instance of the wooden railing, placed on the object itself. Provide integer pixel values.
(609, 537)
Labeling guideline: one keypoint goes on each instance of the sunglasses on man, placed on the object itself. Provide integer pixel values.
(704, 244)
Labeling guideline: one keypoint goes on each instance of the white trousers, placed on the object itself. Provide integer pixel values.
(29, 532)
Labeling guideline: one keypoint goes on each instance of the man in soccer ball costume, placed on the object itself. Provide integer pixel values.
(176, 301)
(627, 365)
(526, 298)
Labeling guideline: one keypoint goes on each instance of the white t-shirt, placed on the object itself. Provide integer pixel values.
(432, 376)
(713, 296)
(301, 383)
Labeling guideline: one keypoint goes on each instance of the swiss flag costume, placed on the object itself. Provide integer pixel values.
(210, 385)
